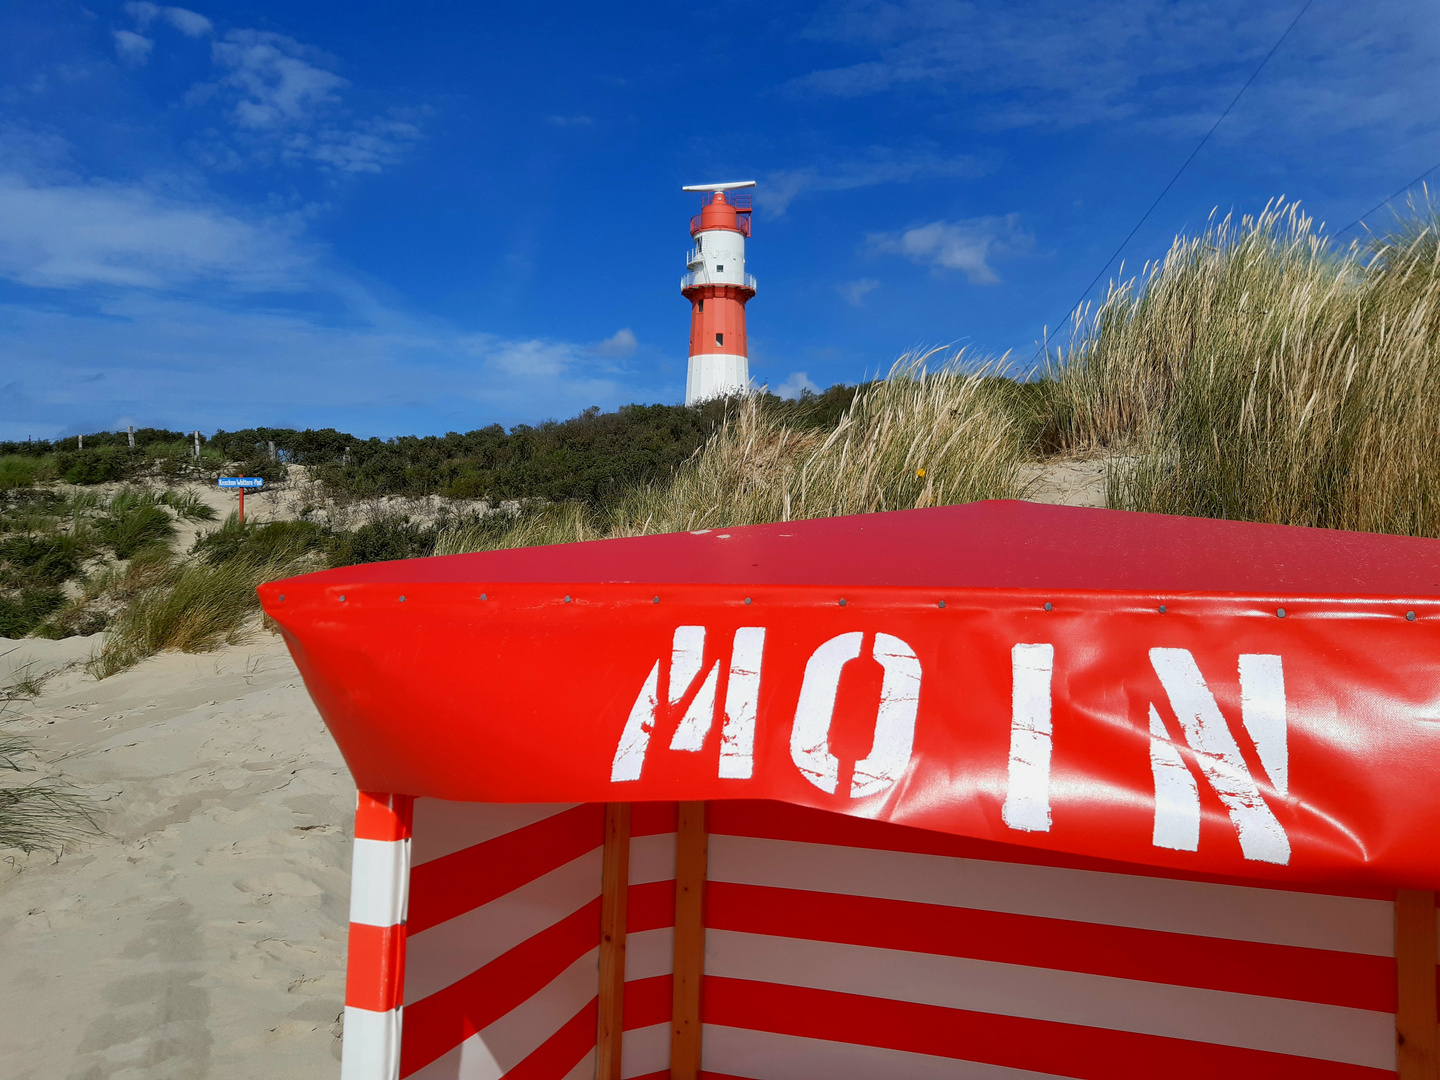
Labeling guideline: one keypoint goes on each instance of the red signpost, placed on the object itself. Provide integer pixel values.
(241, 483)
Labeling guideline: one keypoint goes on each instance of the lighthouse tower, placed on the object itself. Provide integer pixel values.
(718, 288)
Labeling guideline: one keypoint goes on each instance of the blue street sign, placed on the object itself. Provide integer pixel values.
(242, 481)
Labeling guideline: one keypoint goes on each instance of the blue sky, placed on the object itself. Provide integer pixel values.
(422, 217)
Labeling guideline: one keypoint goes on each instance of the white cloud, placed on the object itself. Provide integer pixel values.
(286, 105)
(189, 23)
(131, 47)
(853, 292)
(619, 344)
(276, 85)
(796, 384)
(879, 167)
(73, 234)
(1168, 66)
(173, 361)
(143, 13)
(967, 246)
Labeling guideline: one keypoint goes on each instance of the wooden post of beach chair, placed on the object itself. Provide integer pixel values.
(614, 891)
(1416, 1052)
(691, 863)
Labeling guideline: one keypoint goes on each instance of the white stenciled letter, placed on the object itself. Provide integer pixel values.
(1027, 796)
(742, 700)
(742, 695)
(635, 739)
(1261, 836)
(810, 737)
(894, 719)
(690, 733)
(686, 654)
(890, 753)
(1262, 710)
(1177, 796)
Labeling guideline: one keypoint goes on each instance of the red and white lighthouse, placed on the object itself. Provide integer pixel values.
(718, 287)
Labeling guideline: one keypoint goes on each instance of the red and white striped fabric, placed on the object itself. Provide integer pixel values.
(375, 970)
(502, 944)
(838, 948)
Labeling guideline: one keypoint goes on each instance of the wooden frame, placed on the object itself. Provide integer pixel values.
(691, 860)
(1417, 1056)
(614, 894)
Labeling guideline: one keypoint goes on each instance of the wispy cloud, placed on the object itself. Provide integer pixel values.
(132, 47)
(569, 121)
(149, 314)
(854, 292)
(177, 358)
(967, 246)
(795, 384)
(273, 80)
(285, 104)
(784, 186)
(73, 233)
(620, 344)
(190, 23)
(1167, 67)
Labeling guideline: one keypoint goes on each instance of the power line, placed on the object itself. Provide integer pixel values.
(1198, 147)
(1389, 199)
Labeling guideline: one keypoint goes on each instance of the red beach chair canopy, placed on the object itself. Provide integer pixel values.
(1213, 697)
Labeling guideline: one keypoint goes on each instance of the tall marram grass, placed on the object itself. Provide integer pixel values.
(929, 434)
(1260, 373)
(203, 602)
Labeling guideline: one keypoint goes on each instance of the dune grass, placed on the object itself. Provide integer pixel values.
(1260, 373)
(196, 604)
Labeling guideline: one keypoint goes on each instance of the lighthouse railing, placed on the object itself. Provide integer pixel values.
(704, 277)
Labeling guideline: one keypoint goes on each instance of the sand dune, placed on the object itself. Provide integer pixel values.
(204, 935)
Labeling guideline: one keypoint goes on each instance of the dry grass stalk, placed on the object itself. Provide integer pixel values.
(1261, 374)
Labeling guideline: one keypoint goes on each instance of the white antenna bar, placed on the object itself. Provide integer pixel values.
(720, 187)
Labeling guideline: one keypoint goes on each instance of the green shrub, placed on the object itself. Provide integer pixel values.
(17, 471)
(383, 539)
(188, 505)
(40, 559)
(98, 466)
(260, 543)
(22, 610)
(133, 520)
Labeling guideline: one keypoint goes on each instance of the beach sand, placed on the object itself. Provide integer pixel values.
(204, 934)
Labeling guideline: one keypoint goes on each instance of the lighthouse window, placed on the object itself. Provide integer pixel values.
(719, 269)
(702, 307)
(719, 339)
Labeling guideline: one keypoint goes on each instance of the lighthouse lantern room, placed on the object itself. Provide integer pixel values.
(718, 288)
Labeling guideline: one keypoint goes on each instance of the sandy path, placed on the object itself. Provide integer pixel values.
(204, 936)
